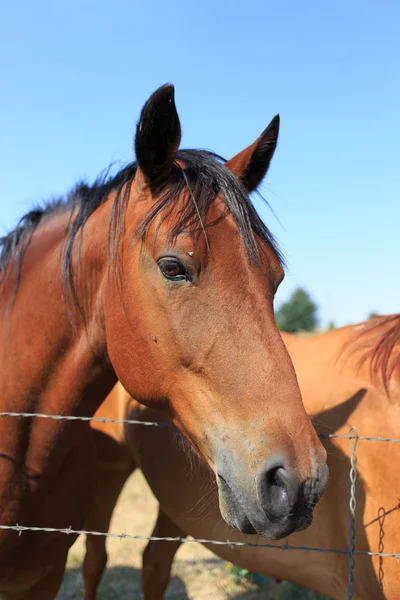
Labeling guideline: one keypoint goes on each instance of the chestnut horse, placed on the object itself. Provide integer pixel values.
(163, 277)
(338, 375)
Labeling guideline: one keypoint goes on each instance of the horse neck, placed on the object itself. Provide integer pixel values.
(48, 366)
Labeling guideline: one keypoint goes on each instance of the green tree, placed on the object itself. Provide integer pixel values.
(331, 325)
(299, 313)
(373, 315)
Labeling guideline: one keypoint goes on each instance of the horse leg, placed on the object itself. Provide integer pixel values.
(158, 558)
(111, 480)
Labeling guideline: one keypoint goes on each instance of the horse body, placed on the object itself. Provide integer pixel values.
(338, 391)
(45, 463)
(140, 278)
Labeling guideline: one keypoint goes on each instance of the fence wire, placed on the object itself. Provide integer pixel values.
(57, 417)
(351, 553)
(20, 529)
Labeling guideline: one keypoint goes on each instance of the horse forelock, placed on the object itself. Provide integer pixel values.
(197, 183)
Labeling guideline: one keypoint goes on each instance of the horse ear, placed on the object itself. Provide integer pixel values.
(158, 135)
(251, 165)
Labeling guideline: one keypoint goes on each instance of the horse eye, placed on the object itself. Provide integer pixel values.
(172, 269)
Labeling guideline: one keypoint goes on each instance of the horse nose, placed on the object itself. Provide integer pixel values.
(278, 491)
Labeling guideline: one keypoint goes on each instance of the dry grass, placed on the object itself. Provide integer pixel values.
(197, 573)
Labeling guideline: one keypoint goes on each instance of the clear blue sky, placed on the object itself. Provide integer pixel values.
(74, 76)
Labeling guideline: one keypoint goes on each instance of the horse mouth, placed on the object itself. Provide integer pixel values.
(236, 517)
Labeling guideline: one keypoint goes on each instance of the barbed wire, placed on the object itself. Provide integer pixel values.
(166, 424)
(351, 553)
(352, 505)
(127, 536)
(78, 418)
(363, 438)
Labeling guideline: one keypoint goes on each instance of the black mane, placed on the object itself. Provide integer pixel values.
(202, 179)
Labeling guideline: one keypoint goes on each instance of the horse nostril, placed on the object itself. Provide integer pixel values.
(277, 490)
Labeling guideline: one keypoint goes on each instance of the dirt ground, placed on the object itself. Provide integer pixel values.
(197, 573)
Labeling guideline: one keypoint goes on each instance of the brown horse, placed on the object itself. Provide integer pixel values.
(338, 375)
(163, 277)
